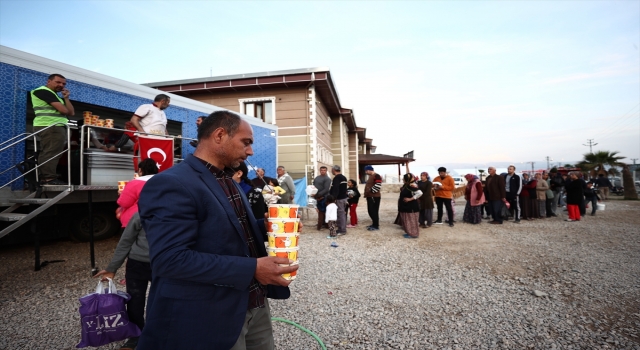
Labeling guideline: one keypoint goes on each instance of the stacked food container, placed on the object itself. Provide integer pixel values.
(282, 231)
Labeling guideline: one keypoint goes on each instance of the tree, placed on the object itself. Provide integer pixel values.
(595, 163)
(627, 183)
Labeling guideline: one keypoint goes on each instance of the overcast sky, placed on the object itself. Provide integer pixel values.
(457, 82)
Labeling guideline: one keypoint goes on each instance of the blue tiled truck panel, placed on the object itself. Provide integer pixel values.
(16, 82)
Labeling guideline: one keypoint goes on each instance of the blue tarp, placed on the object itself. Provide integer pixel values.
(301, 192)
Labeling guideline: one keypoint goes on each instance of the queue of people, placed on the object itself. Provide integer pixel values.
(505, 197)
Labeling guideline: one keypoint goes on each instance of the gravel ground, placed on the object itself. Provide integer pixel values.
(471, 286)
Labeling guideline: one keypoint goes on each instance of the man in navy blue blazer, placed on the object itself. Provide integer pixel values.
(210, 270)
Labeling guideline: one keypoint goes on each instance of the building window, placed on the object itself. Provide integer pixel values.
(329, 125)
(262, 108)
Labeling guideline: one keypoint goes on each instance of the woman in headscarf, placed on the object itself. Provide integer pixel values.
(474, 195)
(408, 207)
(525, 194)
(541, 192)
(426, 201)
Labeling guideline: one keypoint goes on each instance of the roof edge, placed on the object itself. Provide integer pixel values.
(238, 76)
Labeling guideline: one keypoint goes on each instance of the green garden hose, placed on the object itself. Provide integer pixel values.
(302, 328)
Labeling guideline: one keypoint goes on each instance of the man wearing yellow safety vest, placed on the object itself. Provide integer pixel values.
(50, 110)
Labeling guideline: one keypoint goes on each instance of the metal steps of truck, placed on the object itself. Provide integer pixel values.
(29, 200)
(12, 216)
(21, 219)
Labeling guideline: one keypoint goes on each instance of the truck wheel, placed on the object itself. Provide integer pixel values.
(105, 225)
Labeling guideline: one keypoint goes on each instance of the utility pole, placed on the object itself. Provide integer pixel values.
(634, 160)
(532, 163)
(549, 160)
(590, 143)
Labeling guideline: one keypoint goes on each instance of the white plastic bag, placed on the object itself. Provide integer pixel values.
(311, 190)
(111, 289)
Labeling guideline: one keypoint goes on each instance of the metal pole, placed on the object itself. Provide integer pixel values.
(68, 155)
(94, 270)
(35, 151)
(36, 243)
(83, 129)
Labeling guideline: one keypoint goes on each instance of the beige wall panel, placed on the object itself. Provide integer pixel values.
(298, 114)
(322, 124)
(302, 140)
(291, 106)
(323, 139)
(293, 158)
(285, 95)
(300, 122)
(230, 99)
(292, 132)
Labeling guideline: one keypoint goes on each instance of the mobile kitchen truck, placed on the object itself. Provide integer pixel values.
(85, 209)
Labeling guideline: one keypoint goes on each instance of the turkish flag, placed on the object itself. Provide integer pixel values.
(159, 149)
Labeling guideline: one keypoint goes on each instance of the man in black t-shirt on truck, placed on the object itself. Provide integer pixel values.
(51, 109)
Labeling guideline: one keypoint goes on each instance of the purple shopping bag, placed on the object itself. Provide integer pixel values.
(103, 316)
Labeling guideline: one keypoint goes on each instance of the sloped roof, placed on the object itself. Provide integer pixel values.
(382, 159)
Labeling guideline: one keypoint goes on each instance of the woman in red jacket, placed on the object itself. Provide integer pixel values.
(529, 208)
(474, 195)
(128, 200)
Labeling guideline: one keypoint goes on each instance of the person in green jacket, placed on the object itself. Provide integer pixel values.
(51, 109)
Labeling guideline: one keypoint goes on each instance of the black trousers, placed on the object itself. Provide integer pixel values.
(582, 207)
(447, 204)
(138, 276)
(514, 203)
(496, 210)
(373, 207)
(594, 203)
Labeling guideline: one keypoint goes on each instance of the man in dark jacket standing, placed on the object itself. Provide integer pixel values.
(604, 184)
(513, 188)
(211, 272)
(372, 194)
(496, 195)
(556, 185)
(322, 182)
(339, 192)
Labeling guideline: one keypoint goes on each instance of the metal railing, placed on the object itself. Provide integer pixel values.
(85, 136)
(16, 140)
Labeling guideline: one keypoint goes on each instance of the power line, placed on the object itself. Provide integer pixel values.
(613, 128)
(621, 128)
(590, 143)
(609, 128)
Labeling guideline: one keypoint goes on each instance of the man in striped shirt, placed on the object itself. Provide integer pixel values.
(372, 194)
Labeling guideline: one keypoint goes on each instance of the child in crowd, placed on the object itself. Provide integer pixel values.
(272, 191)
(354, 196)
(331, 216)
